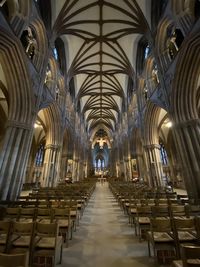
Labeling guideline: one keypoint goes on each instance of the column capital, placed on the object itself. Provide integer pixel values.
(52, 146)
(152, 146)
(18, 124)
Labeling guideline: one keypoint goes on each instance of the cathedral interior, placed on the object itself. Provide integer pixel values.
(100, 93)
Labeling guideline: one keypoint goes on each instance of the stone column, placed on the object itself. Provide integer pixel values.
(50, 171)
(64, 166)
(75, 170)
(13, 159)
(154, 165)
(188, 145)
(127, 168)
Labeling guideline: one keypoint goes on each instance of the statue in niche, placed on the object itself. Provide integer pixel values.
(48, 75)
(29, 42)
(145, 92)
(155, 75)
(57, 92)
(172, 45)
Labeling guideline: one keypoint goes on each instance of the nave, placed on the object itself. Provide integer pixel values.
(104, 238)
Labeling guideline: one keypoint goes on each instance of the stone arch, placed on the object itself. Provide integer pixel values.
(18, 134)
(164, 40)
(51, 78)
(42, 44)
(184, 101)
(137, 153)
(151, 123)
(20, 96)
(67, 154)
(151, 80)
(51, 169)
(53, 123)
(151, 144)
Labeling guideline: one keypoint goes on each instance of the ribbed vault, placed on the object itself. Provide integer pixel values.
(99, 34)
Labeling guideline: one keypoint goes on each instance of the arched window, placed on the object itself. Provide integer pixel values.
(146, 51)
(99, 164)
(143, 52)
(40, 155)
(163, 154)
(55, 53)
(59, 54)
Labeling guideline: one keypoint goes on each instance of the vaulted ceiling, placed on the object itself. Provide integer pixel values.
(101, 41)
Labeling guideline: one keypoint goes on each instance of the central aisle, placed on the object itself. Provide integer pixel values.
(104, 238)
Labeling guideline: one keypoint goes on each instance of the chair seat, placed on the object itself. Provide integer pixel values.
(26, 220)
(46, 242)
(3, 238)
(63, 223)
(179, 263)
(44, 220)
(49, 242)
(133, 210)
(162, 237)
(22, 241)
(183, 235)
(73, 213)
(144, 220)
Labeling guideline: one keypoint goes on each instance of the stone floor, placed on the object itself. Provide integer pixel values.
(104, 238)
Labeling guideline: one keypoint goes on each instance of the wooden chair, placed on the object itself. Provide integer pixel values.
(12, 214)
(27, 215)
(13, 260)
(44, 215)
(184, 231)
(5, 227)
(47, 245)
(21, 239)
(160, 211)
(161, 238)
(177, 211)
(62, 217)
(190, 257)
(192, 210)
(143, 215)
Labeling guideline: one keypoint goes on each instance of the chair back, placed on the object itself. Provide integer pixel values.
(191, 256)
(13, 260)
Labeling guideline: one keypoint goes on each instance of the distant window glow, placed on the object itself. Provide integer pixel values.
(55, 52)
(146, 51)
(163, 154)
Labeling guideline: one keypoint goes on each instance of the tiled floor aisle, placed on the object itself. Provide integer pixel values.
(104, 238)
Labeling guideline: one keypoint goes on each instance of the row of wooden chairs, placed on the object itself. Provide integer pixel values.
(168, 234)
(164, 222)
(48, 215)
(34, 238)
